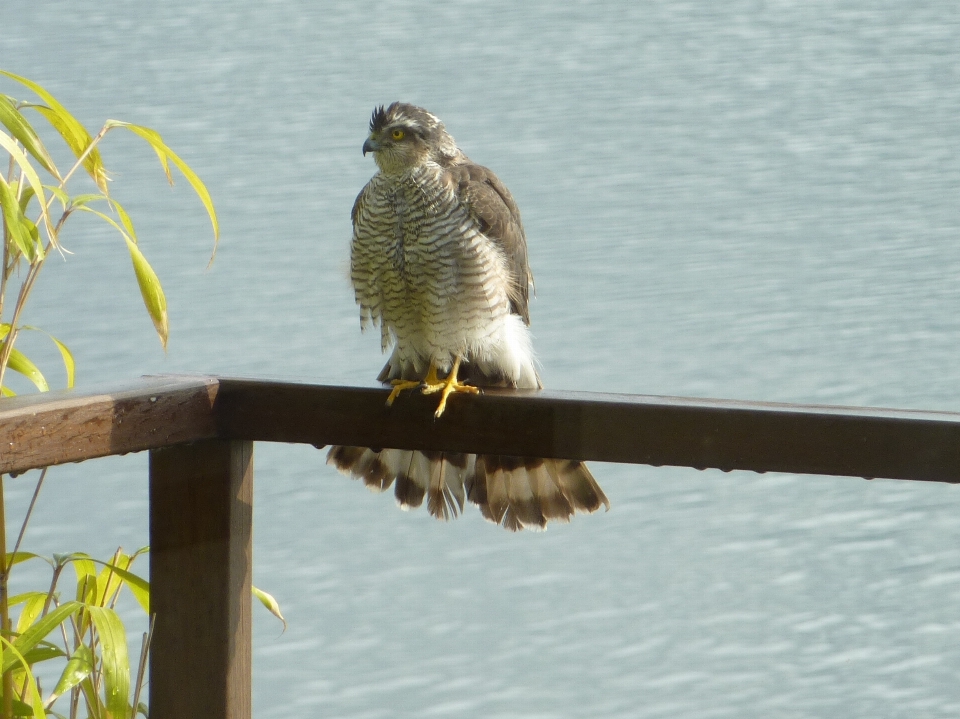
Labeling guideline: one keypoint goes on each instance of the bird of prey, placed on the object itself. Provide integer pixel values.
(439, 261)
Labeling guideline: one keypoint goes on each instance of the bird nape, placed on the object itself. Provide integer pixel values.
(439, 261)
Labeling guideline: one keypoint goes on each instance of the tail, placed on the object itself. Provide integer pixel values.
(514, 492)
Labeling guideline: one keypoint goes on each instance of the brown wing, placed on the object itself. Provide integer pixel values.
(492, 204)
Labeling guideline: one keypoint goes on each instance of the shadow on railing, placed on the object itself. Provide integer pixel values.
(200, 432)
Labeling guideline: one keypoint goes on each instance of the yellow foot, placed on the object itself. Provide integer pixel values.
(431, 384)
(398, 386)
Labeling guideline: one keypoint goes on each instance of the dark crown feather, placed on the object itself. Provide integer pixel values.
(378, 119)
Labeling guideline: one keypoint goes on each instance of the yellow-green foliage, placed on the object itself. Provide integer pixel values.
(84, 634)
(34, 213)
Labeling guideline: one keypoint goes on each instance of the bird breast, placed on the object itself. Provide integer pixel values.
(422, 268)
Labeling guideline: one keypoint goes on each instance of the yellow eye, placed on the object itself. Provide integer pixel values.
(397, 134)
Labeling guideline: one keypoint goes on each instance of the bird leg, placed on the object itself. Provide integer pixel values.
(431, 384)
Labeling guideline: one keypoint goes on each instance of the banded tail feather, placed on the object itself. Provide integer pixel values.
(514, 492)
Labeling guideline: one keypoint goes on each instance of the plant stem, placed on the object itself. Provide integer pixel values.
(142, 668)
(33, 503)
(4, 607)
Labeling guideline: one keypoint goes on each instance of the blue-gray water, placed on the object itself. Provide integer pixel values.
(745, 200)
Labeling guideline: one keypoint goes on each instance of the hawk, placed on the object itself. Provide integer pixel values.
(439, 261)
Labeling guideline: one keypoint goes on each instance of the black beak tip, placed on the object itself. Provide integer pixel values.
(369, 146)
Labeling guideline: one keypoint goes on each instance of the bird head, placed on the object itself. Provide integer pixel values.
(405, 136)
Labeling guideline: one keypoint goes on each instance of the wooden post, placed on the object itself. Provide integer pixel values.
(201, 511)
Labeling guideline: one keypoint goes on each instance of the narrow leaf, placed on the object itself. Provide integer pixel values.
(33, 179)
(165, 154)
(114, 659)
(60, 194)
(18, 126)
(15, 559)
(78, 200)
(26, 596)
(270, 603)
(69, 128)
(38, 631)
(125, 219)
(43, 652)
(31, 610)
(25, 196)
(68, 363)
(150, 290)
(78, 668)
(16, 222)
(139, 587)
(18, 362)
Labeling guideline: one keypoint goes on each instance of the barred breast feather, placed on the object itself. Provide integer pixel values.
(439, 262)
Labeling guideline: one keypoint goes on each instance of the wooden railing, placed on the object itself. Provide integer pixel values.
(200, 433)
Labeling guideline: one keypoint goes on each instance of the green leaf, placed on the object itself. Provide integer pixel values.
(150, 289)
(59, 194)
(25, 196)
(15, 559)
(87, 585)
(42, 653)
(32, 609)
(22, 709)
(69, 128)
(38, 631)
(26, 596)
(18, 126)
(139, 587)
(115, 662)
(17, 224)
(33, 179)
(78, 668)
(270, 603)
(68, 362)
(79, 200)
(165, 154)
(125, 219)
(18, 362)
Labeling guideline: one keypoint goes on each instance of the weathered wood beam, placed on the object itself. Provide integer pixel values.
(899, 444)
(68, 426)
(722, 434)
(201, 518)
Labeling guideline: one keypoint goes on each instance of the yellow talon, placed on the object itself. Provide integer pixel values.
(431, 384)
(398, 386)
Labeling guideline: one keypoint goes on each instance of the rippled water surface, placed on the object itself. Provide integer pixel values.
(745, 200)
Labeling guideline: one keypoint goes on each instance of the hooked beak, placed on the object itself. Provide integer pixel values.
(370, 145)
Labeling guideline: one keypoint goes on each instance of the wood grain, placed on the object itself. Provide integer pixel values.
(700, 433)
(201, 519)
(69, 426)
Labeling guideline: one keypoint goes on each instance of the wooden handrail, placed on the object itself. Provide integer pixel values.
(200, 432)
(69, 426)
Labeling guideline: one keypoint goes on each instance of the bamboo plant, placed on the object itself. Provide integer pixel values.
(82, 636)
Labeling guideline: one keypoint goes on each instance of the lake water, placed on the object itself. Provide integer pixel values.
(744, 200)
